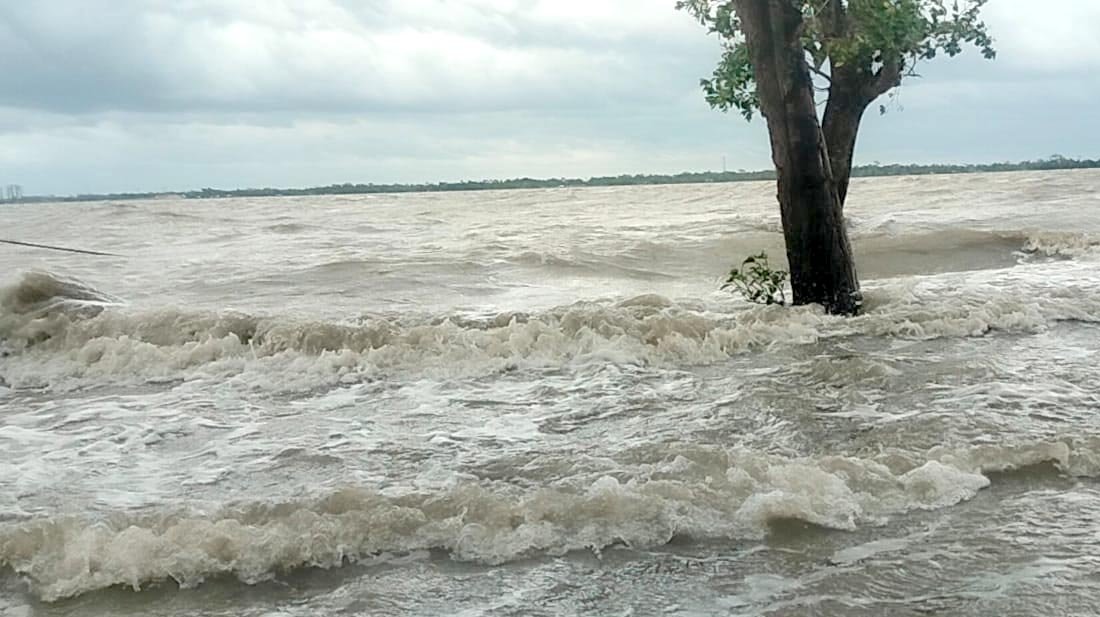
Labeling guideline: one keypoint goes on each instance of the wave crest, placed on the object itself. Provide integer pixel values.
(676, 490)
(67, 347)
(1067, 245)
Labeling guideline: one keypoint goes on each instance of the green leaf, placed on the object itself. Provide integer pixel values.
(904, 32)
(756, 281)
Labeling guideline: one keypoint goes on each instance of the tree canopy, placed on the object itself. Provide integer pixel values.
(874, 43)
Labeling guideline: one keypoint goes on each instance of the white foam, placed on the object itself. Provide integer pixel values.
(695, 491)
(63, 349)
(1063, 244)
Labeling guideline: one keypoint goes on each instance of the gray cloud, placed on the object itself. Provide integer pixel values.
(105, 95)
(324, 57)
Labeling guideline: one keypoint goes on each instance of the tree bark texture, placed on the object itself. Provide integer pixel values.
(818, 251)
(840, 126)
(851, 91)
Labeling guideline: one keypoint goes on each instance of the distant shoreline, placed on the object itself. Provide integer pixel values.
(862, 171)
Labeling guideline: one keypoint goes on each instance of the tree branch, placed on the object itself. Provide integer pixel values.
(887, 77)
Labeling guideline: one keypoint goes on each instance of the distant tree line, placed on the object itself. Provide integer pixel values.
(1052, 163)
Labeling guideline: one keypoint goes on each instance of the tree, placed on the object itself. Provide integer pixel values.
(858, 50)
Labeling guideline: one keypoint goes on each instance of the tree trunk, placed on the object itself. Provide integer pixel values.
(851, 91)
(818, 250)
(840, 125)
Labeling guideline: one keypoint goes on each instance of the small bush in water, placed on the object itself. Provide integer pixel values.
(757, 282)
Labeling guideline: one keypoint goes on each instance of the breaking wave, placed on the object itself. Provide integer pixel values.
(63, 333)
(40, 292)
(1068, 245)
(674, 491)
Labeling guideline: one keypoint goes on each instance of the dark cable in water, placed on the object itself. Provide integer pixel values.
(59, 248)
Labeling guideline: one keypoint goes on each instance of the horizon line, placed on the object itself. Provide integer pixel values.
(877, 169)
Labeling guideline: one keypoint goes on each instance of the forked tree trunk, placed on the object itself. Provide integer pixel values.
(818, 250)
(840, 126)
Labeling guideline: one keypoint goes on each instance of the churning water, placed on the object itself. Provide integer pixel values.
(537, 403)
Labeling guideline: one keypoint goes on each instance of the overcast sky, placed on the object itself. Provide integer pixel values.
(162, 95)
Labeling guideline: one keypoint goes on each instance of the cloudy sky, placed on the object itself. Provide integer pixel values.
(161, 95)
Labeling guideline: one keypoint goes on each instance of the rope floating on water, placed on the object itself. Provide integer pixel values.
(59, 248)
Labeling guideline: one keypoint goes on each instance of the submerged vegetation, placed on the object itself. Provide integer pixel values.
(876, 169)
(757, 282)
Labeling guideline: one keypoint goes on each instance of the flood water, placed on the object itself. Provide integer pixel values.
(539, 403)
